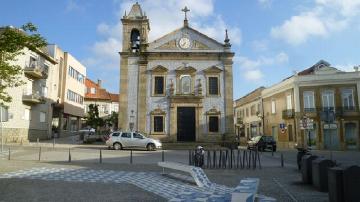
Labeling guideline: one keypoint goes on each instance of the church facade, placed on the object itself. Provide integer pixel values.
(176, 88)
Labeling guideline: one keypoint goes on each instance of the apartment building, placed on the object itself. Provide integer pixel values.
(317, 107)
(95, 94)
(70, 84)
(248, 115)
(30, 112)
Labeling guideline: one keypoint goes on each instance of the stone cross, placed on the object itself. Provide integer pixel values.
(185, 10)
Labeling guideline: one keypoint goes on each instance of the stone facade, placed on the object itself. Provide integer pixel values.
(329, 98)
(198, 59)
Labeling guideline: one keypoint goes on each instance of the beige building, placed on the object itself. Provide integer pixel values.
(30, 112)
(248, 115)
(69, 82)
(177, 87)
(327, 98)
(95, 94)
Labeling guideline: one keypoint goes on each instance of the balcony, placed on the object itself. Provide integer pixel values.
(32, 97)
(288, 114)
(36, 71)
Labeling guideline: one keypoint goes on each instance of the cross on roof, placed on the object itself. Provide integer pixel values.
(185, 10)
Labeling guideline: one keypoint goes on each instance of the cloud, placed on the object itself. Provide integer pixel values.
(325, 18)
(346, 67)
(254, 75)
(259, 45)
(252, 68)
(265, 3)
(72, 5)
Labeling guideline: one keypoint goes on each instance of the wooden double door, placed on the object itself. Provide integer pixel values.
(186, 130)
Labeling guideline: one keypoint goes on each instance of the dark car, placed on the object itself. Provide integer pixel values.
(262, 142)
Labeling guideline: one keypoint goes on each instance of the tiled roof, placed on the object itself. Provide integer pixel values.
(114, 97)
(100, 93)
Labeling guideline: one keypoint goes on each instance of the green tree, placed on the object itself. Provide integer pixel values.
(12, 43)
(92, 117)
(113, 120)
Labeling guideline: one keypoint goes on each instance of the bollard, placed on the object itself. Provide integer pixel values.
(162, 156)
(243, 160)
(208, 162)
(39, 153)
(249, 164)
(100, 160)
(259, 160)
(272, 150)
(220, 158)
(131, 157)
(69, 156)
(231, 158)
(254, 159)
(214, 159)
(238, 158)
(189, 157)
(54, 143)
(37, 140)
(9, 154)
(282, 160)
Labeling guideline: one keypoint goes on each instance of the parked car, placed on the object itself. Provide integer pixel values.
(262, 143)
(119, 140)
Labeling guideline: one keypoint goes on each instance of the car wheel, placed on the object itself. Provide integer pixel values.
(117, 146)
(151, 147)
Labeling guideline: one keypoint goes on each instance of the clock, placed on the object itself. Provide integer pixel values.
(184, 43)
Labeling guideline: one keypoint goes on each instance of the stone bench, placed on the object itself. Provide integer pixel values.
(197, 173)
(247, 191)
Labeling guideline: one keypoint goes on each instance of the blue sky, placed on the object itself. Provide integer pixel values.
(271, 38)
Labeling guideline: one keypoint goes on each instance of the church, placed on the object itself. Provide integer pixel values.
(177, 88)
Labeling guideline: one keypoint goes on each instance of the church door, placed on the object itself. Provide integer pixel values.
(186, 123)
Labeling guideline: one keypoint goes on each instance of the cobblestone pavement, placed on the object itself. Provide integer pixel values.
(171, 189)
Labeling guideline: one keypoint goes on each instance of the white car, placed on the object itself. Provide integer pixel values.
(119, 140)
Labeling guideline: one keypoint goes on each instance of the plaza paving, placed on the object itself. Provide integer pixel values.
(284, 184)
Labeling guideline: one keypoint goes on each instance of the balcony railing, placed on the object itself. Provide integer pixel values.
(36, 70)
(288, 113)
(32, 97)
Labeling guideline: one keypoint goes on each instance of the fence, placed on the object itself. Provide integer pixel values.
(228, 159)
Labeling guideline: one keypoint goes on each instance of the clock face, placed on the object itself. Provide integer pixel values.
(184, 42)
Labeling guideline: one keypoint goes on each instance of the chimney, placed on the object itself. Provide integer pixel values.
(99, 83)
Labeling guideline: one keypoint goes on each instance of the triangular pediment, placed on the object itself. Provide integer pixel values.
(197, 42)
(212, 70)
(159, 69)
(185, 70)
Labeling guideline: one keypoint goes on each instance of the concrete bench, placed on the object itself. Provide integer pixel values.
(247, 191)
(197, 173)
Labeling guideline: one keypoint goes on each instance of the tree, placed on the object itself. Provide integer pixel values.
(12, 43)
(113, 120)
(92, 117)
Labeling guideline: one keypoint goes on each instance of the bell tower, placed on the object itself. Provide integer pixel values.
(135, 29)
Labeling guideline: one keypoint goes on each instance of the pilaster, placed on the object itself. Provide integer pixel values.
(123, 94)
(142, 87)
(228, 88)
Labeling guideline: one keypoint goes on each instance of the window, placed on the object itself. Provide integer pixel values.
(213, 86)
(185, 84)
(138, 136)
(253, 110)
(247, 112)
(158, 124)
(159, 85)
(42, 117)
(116, 135)
(26, 115)
(288, 102)
(213, 124)
(44, 91)
(328, 99)
(92, 90)
(273, 107)
(309, 102)
(126, 135)
(32, 62)
(347, 99)
(4, 116)
(76, 75)
(72, 96)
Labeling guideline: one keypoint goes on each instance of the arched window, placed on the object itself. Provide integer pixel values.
(185, 84)
(135, 40)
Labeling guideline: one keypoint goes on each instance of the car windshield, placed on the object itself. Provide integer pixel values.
(256, 139)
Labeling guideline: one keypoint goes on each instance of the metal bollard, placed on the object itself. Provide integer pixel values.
(69, 156)
(282, 160)
(39, 153)
(131, 157)
(259, 160)
(208, 160)
(37, 140)
(214, 159)
(100, 160)
(220, 158)
(189, 157)
(54, 143)
(162, 156)
(9, 154)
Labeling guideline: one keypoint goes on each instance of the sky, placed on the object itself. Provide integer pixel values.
(271, 39)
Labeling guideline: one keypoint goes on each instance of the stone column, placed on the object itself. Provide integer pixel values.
(123, 94)
(142, 87)
(228, 89)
